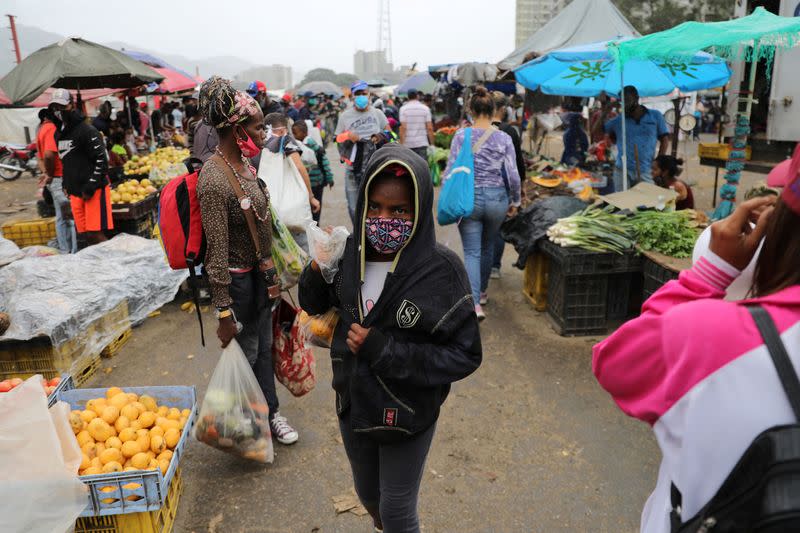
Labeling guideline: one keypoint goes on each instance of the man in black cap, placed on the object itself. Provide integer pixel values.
(416, 125)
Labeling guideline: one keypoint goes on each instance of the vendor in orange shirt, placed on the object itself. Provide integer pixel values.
(52, 178)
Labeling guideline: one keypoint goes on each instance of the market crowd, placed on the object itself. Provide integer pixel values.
(409, 309)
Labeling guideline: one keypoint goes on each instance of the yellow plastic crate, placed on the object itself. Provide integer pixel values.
(160, 521)
(116, 345)
(534, 280)
(33, 232)
(719, 151)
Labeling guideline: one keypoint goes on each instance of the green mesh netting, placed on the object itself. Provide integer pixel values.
(756, 36)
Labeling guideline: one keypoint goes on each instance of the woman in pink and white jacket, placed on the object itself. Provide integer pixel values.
(695, 367)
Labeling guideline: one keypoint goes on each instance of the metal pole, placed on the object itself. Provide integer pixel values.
(723, 106)
(624, 132)
(752, 83)
(14, 38)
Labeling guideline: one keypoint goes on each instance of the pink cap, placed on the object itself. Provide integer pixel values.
(779, 175)
(791, 190)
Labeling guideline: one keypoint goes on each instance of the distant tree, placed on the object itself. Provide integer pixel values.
(649, 16)
(325, 74)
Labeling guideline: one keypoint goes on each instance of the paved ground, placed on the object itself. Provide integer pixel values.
(529, 443)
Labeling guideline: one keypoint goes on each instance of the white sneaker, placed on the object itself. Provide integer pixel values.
(484, 299)
(282, 431)
(480, 313)
(495, 274)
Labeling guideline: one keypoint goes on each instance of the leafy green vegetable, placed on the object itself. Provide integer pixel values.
(670, 233)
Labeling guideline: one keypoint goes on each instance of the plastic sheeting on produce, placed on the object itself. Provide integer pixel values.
(66, 297)
(530, 225)
(9, 252)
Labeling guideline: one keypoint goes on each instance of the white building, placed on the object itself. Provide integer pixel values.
(532, 15)
(276, 77)
(371, 64)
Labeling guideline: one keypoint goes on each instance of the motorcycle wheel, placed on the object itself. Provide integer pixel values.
(8, 174)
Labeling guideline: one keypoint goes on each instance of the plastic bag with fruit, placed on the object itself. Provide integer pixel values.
(234, 416)
(289, 258)
(327, 248)
(39, 459)
(292, 360)
(318, 329)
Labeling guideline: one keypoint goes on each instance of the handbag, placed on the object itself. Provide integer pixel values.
(293, 361)
(457, 199)
(286, 188)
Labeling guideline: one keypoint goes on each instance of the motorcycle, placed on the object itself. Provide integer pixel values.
(16, 159)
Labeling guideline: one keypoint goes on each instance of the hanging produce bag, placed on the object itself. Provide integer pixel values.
(318, 329)
(292, 360)
(327, 248)
(287, 190)
(288, 257)
(234, 416)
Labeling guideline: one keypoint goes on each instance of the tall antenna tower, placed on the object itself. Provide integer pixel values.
(385, 30)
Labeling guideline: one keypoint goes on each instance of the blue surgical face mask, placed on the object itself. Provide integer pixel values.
(361, 101)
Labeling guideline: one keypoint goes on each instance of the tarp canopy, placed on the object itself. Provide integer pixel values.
(74, 63)
(43, 100)
(731, 39)
(421, 82)
(175, 80)
(581, 22)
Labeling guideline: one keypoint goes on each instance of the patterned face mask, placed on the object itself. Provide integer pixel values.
(388, 235)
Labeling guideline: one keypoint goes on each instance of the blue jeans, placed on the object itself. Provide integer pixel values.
(65, 227)
(478, 233)
(351, 185)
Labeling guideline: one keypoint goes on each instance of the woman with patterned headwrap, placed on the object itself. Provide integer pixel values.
(236, 274)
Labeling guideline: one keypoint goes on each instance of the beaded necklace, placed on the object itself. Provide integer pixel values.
(246, 202)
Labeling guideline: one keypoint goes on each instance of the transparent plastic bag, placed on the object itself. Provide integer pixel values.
(318, 329)
(327, 248)
(289, 258)
(234, 417)
(40, 489)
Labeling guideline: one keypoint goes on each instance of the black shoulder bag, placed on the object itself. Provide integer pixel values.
(762, 492)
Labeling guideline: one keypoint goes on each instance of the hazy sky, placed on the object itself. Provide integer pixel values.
(302, 33)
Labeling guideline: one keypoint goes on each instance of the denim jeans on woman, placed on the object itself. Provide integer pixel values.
(66, 236)
(478, 233)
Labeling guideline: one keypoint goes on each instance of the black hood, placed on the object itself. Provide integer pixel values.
(423, 237)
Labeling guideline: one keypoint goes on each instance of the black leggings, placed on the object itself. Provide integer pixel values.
(387, 476)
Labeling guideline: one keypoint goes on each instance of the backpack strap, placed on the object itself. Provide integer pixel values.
(248, 213)
(483, 139)
(780, 358)
(789, 381)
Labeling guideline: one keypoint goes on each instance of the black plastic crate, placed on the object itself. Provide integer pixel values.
(143, 227)
(577, 304)
(579, 262)
(624, 298)
(655, 276)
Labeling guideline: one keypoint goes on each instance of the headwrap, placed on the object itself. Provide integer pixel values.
(221, 105)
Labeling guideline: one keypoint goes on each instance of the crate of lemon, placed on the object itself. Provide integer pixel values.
(131, 441)
(133, 199)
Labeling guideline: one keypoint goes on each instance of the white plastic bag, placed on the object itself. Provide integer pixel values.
(307, 156)
(234, 416)
(287, 190)
(314, 132)
(39, 491)
(326, 248)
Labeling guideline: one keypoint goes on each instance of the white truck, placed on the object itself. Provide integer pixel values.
(775, 119)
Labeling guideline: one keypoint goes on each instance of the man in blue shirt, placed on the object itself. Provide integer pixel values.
(645, 128)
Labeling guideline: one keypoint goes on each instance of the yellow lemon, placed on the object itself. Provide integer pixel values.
(85, 461)
(139, 407)
(136, 425)
(149, 402)
(186, 412)
(112, 391)
(182, 423)
(129, 411)
(114, 442)
(127, 434)
(96, 462)
(130, 448)
(152, 465)
(92, 470)
(121, 423)
(100, 447)
(163, 411)
(99, 430)
(174, 414)
(133, 397)
(90, 449)
(157, 445)
(147, 419)
(172, 436)
(110, 414)
(87, 416)
(166, 455)
(119, 401)
(140, 461)
(157, 431)
(76, 422)
(84, 438)
(163, 465)
(113, 466)
(110, 455)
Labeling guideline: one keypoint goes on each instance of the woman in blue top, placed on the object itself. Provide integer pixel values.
(496, 196)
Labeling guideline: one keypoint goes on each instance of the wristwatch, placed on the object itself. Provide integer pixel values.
(224, 312)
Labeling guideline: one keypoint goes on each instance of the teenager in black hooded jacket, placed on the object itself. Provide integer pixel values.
(407, 330)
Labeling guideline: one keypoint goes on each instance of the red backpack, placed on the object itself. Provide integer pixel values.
(181, 228)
